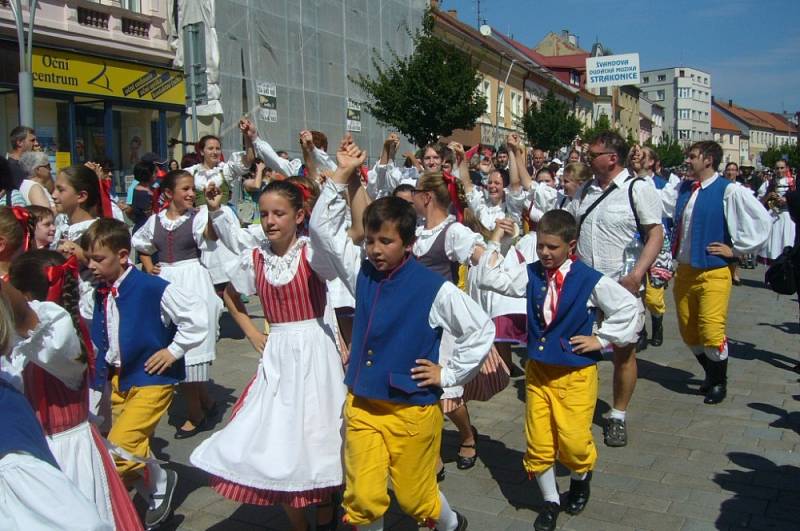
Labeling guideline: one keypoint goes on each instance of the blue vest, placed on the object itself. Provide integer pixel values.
(659, 182)
(141, 332)
(550, 344)
(708, 221)
(19, 429)
(391, 330)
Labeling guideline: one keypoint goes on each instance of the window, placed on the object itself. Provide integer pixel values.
(575, 78)
(684, 134)
(692, 77)
(682, 73)
(516, 106)
(683, 114)
(501, 101)
(705, 81)
(684, 92)
(656, 95)
(486, 91)
(662, 77)
(646, 79)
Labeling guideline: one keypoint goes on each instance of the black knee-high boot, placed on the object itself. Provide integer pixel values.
(703, 360)
(718, 373)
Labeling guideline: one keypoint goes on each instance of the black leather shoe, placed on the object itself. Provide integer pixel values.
(203, 425)
(706, 385)
(465, 463)
(658, 330)
(642, 343)
(546, 521)
(440, 475)
(718, 376)
(578, 495)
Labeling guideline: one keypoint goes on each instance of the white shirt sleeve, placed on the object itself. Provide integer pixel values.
(620, 324)
(199, 224)
(234, 167)
(669, 198)
(472, 329)
(545, 198)
(749, 223)
(323, 160)
(507, 277)
(142, 239)
(230, 233)
(264, 150)
(335, 254)
(53, 345)
(184, 310)
(38, 496)
(648, 206)
(460, 243)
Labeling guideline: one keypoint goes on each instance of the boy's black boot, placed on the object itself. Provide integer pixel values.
(578, 495)
(658, 330)
(706, 385)
(718, 374)
(546, 521)
(641, 345)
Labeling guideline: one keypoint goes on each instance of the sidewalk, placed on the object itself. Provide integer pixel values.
(688, 466)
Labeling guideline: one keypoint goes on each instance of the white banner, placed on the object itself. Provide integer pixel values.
(612, 70)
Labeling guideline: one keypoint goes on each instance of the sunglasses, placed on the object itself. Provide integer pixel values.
(592, 155)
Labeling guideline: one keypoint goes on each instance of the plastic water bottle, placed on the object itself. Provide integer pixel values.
(631, 254)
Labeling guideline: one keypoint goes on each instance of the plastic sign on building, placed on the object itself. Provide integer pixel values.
(612, 70)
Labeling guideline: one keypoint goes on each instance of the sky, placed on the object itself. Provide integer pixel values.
(751, 48)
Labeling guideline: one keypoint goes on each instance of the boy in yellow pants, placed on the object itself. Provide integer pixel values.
(392, 413)
(142, 327)
(564, 296)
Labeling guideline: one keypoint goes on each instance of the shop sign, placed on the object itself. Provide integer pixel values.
(267, 101)
(353, 116)
(85, 74)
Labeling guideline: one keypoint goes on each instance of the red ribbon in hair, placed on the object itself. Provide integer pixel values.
(23, 218)
(304, 191)
(105, 198)
(452, 188)
(55, 280)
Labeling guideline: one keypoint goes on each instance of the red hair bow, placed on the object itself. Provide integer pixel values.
(105, 198)
(304, 191)
(23, 218)
(452, 188)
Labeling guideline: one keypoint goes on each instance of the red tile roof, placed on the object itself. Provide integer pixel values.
(718, 121)
(745, 115)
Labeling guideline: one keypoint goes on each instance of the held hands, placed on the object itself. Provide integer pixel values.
(428, 373)
(458, 149)
(96, 168)
(260, 167)
(306, 141)
(213, 197)
(350, 156)
(70, 248)
(248, 128)
(159, 362)
(515, 143)
(155, 270)
(720, 249)
(391, 144)
(584, 344)
(503, 227)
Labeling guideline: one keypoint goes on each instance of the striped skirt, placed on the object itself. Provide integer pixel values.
(492, 378)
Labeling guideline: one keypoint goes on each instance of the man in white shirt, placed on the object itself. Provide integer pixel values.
(608, 213)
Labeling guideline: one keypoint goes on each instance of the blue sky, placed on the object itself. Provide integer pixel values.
(751, 48)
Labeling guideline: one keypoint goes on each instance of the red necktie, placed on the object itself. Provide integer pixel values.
(105, 291)
(557, 277)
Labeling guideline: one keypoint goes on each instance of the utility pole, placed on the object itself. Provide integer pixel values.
(25, 60)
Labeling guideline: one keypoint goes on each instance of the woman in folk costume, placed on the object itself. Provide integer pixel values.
(222, 174)
(782, 232)
(283, 442)
(57, 357)
(179, 234)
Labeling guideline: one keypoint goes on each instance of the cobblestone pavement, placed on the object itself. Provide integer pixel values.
(688, 466)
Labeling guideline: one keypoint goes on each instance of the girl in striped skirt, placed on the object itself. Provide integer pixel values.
(283, 442)
(179, 234)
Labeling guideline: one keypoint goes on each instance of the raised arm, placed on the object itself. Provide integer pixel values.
(463, 166)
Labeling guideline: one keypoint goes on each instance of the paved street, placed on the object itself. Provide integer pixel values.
(688, 465)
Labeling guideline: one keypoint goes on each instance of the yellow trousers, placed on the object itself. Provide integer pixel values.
(136, 413)
(559, 407)
(385, 440)
(701, 300)
(654, 299)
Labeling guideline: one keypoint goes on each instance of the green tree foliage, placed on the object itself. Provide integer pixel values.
(427, 94)
(776, 153)
(670, 152)
(552, 125)
(601, 125)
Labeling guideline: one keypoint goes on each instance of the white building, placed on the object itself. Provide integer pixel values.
(685, 94)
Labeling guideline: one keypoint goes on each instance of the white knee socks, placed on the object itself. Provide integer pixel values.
(448, 520)
(154, 482)
(548, 486)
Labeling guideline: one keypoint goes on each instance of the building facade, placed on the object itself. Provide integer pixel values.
(104, 88)
(729, 137)
(758, 126)
(685, 94)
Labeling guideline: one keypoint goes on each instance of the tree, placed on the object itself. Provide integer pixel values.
(670, 152)
(790, 152)
(428, 94)
(552, 125)
(601, 125)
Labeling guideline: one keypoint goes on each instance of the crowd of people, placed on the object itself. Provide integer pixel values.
(393, 295)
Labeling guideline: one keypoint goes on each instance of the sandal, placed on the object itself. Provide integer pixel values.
(465, 463)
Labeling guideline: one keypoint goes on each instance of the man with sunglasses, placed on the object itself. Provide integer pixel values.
(611, 209)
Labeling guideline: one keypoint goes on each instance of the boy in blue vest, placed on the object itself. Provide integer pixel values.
(716, 221)
(392, 412)
(564, 296)
(142, 326)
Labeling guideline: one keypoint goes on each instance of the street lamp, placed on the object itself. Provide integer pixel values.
(497, 109)
(25, 60)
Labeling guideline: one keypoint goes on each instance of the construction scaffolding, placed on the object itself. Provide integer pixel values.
(285, 64)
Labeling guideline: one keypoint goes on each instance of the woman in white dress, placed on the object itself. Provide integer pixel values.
(35, 189)
(782, 233)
